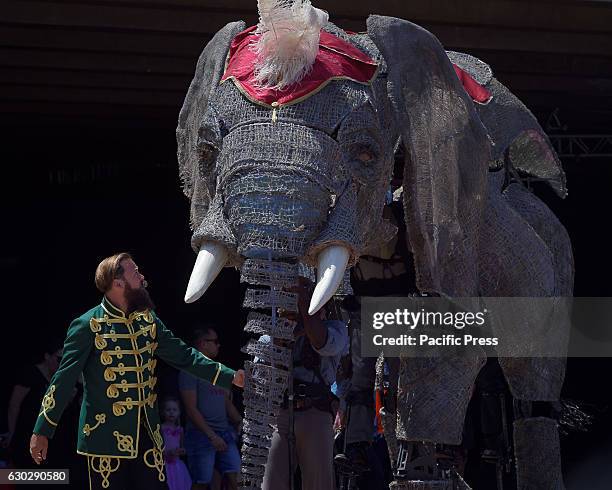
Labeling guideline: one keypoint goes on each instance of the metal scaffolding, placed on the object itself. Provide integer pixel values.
(576, 146)
(580, 146)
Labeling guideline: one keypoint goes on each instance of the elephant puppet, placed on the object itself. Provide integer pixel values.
(286, 145)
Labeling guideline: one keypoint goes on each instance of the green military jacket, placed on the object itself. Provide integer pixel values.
(117, 356)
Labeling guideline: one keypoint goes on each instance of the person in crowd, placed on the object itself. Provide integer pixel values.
(212, 422)
(319, 345)
(31, 385)
(172, 432)
(116, 346)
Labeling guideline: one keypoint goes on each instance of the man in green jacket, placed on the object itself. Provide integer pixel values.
(116, 345)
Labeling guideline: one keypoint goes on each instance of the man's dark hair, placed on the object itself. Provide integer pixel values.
(48, 345)
(200, 332)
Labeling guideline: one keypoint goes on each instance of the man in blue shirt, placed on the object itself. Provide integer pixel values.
(210, 439)
(319, 345)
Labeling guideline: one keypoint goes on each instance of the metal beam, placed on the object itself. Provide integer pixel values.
(581, 146)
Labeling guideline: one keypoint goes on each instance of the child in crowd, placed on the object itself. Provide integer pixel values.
(176, 471)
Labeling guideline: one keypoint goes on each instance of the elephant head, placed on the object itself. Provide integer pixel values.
(305, 179)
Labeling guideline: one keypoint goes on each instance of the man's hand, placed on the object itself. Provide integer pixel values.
(38, 448)
(239, 378)
(303, 289)
(313, 326)
(218, 443)
(340, 421)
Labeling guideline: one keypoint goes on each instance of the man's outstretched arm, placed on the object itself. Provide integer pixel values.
(77, 346)
(176, 353)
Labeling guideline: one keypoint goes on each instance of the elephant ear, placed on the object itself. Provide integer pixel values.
(208, 73)
(447, 156)
(515, 131)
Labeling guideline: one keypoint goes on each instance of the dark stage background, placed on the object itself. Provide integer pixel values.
(84, 178)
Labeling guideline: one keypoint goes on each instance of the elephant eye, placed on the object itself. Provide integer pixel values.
(365, 156)
(364, 151)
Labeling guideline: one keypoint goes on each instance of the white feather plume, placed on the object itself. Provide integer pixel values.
(289, 41)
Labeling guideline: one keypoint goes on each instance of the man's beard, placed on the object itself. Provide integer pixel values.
(137, 299)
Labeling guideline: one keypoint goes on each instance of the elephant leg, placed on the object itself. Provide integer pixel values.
(538, 455)
(433, 395)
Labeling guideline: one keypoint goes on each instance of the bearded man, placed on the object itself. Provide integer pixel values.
(116, 345)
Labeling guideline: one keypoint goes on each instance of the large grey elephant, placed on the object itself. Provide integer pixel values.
(290, 187)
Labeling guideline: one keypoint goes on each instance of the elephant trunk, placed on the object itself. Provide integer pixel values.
(268, 377)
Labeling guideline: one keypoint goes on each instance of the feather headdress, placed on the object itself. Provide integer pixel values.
(288, 43)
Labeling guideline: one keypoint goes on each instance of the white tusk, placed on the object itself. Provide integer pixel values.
(332, 264)
(211, 259)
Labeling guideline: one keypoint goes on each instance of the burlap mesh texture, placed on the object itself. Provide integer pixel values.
(258, 323)
(268, 377)
(477, 69)
(209, 69)
(514, 260)
(268, 354)
(261, 298)
(327, 145)
(447, 156)
(532, 238)
(276, 275)
(236, 156)
(550, 230)
(444, 193)
(538, 454)
(542, 378)
(433, 395)
(288, 188)
(525, 252)
(368, 202)
(309, 112)
(444, 181)
(513, 128)
(362, 41)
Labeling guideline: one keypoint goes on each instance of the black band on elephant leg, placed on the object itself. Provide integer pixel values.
(416, 461)
(522, 408)
(421, 466)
